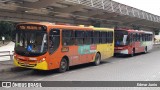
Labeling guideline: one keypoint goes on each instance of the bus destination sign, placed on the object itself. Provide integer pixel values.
(30, 27)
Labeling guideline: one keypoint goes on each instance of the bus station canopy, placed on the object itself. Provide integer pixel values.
(103, 12)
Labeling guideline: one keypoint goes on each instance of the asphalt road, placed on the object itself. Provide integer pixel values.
(142, 67)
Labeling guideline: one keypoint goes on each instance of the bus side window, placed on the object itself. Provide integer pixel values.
(54, 40)
(140, 37)
(68, 37)
(134, 37)
(137, 36)
(96, 37)
(151, 37)
(88, 37)
(146, 37)
(130, 38)
(103, 37)
(110, 37)
(79, 36)
(107, 37)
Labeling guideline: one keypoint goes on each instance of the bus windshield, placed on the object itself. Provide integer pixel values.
(121, 38)
(31, 43)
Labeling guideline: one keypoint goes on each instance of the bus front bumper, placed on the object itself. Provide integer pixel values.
(122, 51)
(41, 66)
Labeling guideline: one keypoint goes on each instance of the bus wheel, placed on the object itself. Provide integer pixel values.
(145, 50)
(63, 65)
(97, 59)
(133, 53)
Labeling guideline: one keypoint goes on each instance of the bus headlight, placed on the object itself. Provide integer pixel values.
(124, 51)
(43, 59)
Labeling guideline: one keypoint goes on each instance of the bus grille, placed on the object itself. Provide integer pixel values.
(27, 65)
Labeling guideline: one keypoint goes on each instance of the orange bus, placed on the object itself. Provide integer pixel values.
(47, 46)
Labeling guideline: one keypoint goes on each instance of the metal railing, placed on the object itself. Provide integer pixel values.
(7, 53)
(112, 6)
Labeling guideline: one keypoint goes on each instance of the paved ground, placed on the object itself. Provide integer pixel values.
(142, 67)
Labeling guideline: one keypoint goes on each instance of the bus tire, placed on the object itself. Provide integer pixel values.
(145, 50)
(97, 59)
(63, 65)
(132, 53)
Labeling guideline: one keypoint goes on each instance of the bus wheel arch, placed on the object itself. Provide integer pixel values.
(145, 49)
(132, 52)
(64, 64)
(99, 53)
(97, 59)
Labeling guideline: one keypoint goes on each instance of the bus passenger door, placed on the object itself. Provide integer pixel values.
(54, 51)
(110, 44)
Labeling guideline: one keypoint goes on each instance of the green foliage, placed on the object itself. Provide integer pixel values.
(135, 27)
(6, 29)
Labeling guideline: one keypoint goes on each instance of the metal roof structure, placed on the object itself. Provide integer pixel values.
(104, 12)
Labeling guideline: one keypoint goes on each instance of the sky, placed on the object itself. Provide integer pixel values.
(151, 6)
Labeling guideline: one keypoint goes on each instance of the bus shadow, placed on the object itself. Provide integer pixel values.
(128, 56)
(72, 68)
(19, 69)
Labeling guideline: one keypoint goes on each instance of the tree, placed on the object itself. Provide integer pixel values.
(136, 27)
(6, 29)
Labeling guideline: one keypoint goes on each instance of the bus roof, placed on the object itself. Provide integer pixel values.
(138, 31)
(63, 26)
(103, 29)
(39, 23)
(148, 32)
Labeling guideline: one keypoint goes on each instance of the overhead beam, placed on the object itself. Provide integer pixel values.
(90, 13)
(30, 17)
(39, 4)
(69, 9)
(27, 6)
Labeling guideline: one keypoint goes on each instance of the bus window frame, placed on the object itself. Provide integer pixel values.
(95, 38)
(74, 38)
(90, 37)
(103, 38)
(81, 37)
(110, 37)
(53, 43)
